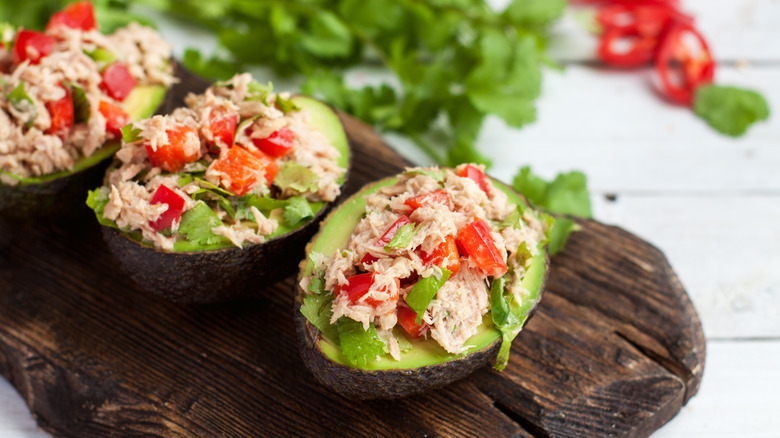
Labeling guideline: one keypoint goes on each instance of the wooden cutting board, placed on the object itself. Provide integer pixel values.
(615, 349)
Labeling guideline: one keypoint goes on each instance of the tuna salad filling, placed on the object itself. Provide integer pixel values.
(423, 260)
(238, 165)
(67, 91)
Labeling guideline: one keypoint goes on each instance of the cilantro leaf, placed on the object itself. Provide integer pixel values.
(196, 224)
(438, 175)
(730, 110)
(130, 134)
(317, 308)
(81, 109)
(286, 105)
(23, 103)
(296, 211)
(358, 345)
(295, 176)
(567, 194)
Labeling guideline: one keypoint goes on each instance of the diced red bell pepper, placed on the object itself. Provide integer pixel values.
(61, 113)
(445, 255)
(32, 45)
(358, 285)
(78, 15)
(221, 129)
(242, 168)
(684, 63)
(473, 173)
(407, 318)
(277, 144)
(440, 196)
(183, 147)
(164, 195)
(116, 117)
(117, 80)
(386, 238)
(475, 240)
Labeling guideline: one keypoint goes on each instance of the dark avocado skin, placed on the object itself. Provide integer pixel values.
(201, 277)
(52, 201)
(361, 384)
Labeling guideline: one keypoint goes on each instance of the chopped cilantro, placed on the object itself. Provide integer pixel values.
(286, 105)
(730, 110)
(317, 309)
(297, 210)
(358, 345)
(423, 292)
(297, 177)
(130, 134)
(196, 224)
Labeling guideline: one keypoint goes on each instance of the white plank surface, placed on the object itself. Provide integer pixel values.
(712, 204)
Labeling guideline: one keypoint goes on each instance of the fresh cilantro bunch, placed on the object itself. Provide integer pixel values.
(454, 61)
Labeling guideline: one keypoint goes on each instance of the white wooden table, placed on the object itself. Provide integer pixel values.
(712, 204)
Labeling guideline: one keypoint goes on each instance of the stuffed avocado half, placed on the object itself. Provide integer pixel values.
(65, 94)
(418, 280)
(222, 193)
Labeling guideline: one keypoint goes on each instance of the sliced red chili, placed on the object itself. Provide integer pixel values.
(684, 63)
(32, 45)
(117, 80)
(78, 15)
(407, 318)
(473, 173)
(477, 242)
(386, 238)
(445, 255)
(277, 144)
(61, 113)
(440, 196)
(164, 195)
(358, 286)
(626, 48)
(116, 117)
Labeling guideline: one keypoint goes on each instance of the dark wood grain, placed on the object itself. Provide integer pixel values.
(615, 349)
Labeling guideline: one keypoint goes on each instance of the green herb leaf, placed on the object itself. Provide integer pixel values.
(402, 238)
(23, 103)
(286, 105)
(295, 176)
(423, 292)
(81, 109)
(730, 110)
(359, 346)
(214, 67)
(567, 194)
(196, 224)
(296, 211)
(130, 134)
(329, 37)
(317, 308)
(258, 91)
(97, 200)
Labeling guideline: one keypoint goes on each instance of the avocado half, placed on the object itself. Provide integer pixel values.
(61, 195)
(223, 274)
(427, 365)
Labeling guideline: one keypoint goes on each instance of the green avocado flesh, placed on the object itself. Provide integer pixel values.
(324, 120)
(139, 104)
(334, 235)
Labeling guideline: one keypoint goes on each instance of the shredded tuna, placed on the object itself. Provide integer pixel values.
(27, 149)
(208, 179)
(457, 311)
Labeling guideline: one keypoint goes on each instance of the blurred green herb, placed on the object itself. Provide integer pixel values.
(454, 61)
(730, 110)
